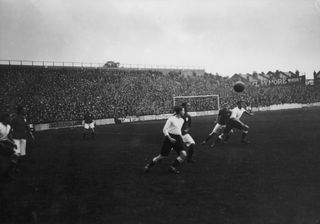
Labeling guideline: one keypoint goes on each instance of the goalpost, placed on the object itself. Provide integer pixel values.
(200, 104)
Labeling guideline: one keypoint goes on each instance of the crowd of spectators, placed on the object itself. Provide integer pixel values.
(52, 94)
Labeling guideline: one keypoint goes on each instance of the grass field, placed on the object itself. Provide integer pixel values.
(275, 179)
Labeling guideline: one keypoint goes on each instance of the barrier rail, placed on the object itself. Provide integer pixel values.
(94, 65)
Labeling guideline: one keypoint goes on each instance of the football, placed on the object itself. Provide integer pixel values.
(239, 86)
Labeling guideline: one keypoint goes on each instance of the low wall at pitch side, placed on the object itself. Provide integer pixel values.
(71, 124)
(286, 106)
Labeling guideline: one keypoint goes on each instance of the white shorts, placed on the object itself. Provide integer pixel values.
(87, 126)
(188, 140)
(217, 128)
(21, 146)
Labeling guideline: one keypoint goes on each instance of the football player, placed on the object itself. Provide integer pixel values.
(221, 121)
(186, 137)
(20, 130)
(88, 125)
(6, 144)
(172, 139)
(8, 154)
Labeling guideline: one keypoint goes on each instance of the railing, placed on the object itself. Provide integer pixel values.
(50, 63)
(94, 65)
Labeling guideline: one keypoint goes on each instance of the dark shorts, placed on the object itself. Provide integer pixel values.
(6, 148)
(178, 146)
(232, 124)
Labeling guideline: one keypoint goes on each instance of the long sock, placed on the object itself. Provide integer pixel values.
(175, 163)
(191, 151)
(243, 136)
(13, 165)
(217, 140)
(209, 137)
(227, 137)
(18, 164)
(151, 164)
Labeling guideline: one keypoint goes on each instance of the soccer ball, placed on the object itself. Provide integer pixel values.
(239, 87)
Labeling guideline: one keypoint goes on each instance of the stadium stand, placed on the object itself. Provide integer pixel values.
(53, 94)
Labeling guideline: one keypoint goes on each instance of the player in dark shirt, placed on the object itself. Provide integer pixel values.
(88, 125)
(186, 137)
(20, 131)
(221, 122)
(223, 117)
(88, 118)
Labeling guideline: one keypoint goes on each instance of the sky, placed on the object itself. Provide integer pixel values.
(223, 36)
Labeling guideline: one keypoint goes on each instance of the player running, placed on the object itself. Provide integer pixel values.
(88, 125)
(173, 139)
(221, 122)
(186, 137)
(235, 122)
(20, 130)
(7, 145)
(8, 154)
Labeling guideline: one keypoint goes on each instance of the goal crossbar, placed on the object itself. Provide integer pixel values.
(198, 96)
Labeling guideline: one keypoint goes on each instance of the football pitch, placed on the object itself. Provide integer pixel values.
(274, 179)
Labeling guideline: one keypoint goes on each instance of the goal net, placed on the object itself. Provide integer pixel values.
(201, 104)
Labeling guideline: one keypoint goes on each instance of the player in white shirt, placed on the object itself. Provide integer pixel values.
(173, 139)
(6, 143)
(235, 122)
(7, 148)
